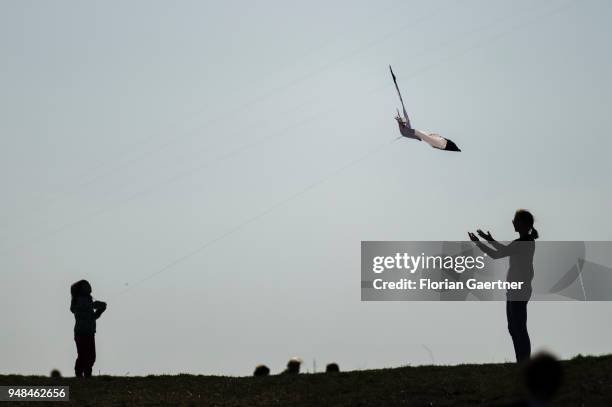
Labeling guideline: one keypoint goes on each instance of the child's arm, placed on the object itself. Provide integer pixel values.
(80, 305)
(99, 308)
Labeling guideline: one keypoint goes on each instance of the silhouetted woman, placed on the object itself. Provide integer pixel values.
(85, 311)
(520, 253)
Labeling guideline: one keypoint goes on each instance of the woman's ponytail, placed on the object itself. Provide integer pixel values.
(534, 233)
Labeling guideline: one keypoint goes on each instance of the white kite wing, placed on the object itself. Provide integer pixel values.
(437, 141)
(433, 140)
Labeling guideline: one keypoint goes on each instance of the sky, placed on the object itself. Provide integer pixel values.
(212, 167)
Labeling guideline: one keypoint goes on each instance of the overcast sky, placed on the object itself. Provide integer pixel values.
(211, 168)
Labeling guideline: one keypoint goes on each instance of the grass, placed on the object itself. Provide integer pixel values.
(587, 382)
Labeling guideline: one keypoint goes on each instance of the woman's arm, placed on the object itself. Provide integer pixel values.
(494, 253)
(498, 250)
(489, 238)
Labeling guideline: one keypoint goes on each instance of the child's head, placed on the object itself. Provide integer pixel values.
(80, 288)
(293, 366)
(523, 223)
(261, 370)
(543, 376)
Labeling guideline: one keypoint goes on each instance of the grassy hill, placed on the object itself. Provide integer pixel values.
(588, 382)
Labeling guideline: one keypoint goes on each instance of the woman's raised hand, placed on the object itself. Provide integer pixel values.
(473, 237)
(486, 236)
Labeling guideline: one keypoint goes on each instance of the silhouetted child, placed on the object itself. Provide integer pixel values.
(332, 368)
(85, 311)
(543, 376)
(261, 370)
(520, 252)
(293, 366)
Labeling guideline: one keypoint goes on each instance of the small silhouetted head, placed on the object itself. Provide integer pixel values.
(261, 370)
(55, 373)
(543, 376)
(332, 368)
(293, 366)
(523, 223)
(81, 287)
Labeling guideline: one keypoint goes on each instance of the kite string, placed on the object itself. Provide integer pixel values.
(499, 35)
(178, 176)
(285, 201)
(442, 44)
(114, 167)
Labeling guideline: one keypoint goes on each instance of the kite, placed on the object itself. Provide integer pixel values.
(434, 140)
